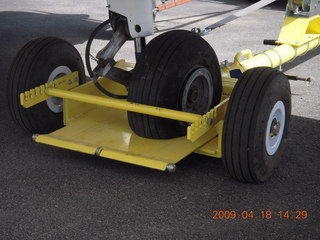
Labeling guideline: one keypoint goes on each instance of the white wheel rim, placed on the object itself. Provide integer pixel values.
(56, 104)
(275, 127)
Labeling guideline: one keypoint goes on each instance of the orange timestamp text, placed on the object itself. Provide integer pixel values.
(264, 214)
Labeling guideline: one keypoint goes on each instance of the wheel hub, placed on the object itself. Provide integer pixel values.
(275, 128)
(56, 104)
(197, 93)
(192, 96)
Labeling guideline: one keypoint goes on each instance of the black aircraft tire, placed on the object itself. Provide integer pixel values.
(37, 62)
(173, 66)
(256, 125)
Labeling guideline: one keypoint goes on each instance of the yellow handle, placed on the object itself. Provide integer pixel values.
(239, 55)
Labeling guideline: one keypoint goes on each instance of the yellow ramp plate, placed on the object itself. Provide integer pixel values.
(106, 132)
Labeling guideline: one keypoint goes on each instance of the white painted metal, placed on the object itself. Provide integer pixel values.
(278, 113)
(139, 14)
(54, 103)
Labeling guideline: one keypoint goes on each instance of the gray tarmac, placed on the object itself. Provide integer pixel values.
(50, 193)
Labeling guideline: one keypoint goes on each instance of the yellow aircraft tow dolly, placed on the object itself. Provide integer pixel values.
(176, 99)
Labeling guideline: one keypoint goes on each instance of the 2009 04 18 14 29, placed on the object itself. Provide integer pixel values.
(263, 214)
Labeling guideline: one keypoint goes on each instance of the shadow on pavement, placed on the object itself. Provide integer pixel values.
(18, 28)
(277, 5)
(24, 26)
(192, 21)
(41, 183)
(195, 18)
(301, 59)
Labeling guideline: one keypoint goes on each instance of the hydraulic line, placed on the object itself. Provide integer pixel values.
(88, 64)
(89, 43)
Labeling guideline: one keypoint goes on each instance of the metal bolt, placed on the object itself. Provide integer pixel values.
(98, 151)
(275, 128)
(210, 121)
(204, 32)
(34, 137)
(309, 81)
(171, 167)
(196, 30)
(225, 63)
(199, 31)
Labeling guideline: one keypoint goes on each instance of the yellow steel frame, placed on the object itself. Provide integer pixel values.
(297, 37)
(97, 124)
(39, 94)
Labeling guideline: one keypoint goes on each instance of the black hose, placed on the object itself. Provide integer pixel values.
(106, 92)
(89, 43)
(88, 64)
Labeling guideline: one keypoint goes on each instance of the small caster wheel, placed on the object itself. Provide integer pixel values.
(256, 124)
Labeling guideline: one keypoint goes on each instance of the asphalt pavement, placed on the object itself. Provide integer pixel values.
(50, 193)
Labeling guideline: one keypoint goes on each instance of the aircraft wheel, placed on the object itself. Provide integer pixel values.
(256, 124)
(40, 61)
(178, 70)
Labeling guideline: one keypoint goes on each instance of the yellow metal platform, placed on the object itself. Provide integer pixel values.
(104, 131)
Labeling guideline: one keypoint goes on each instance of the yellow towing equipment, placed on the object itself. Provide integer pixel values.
(246, 127)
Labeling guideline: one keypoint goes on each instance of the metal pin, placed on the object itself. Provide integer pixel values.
(171, 167)
(98, 151)
(34, 137)
(309, 80)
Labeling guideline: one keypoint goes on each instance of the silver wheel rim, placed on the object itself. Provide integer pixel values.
(197, 94)
(275, 127)
(56, 104)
